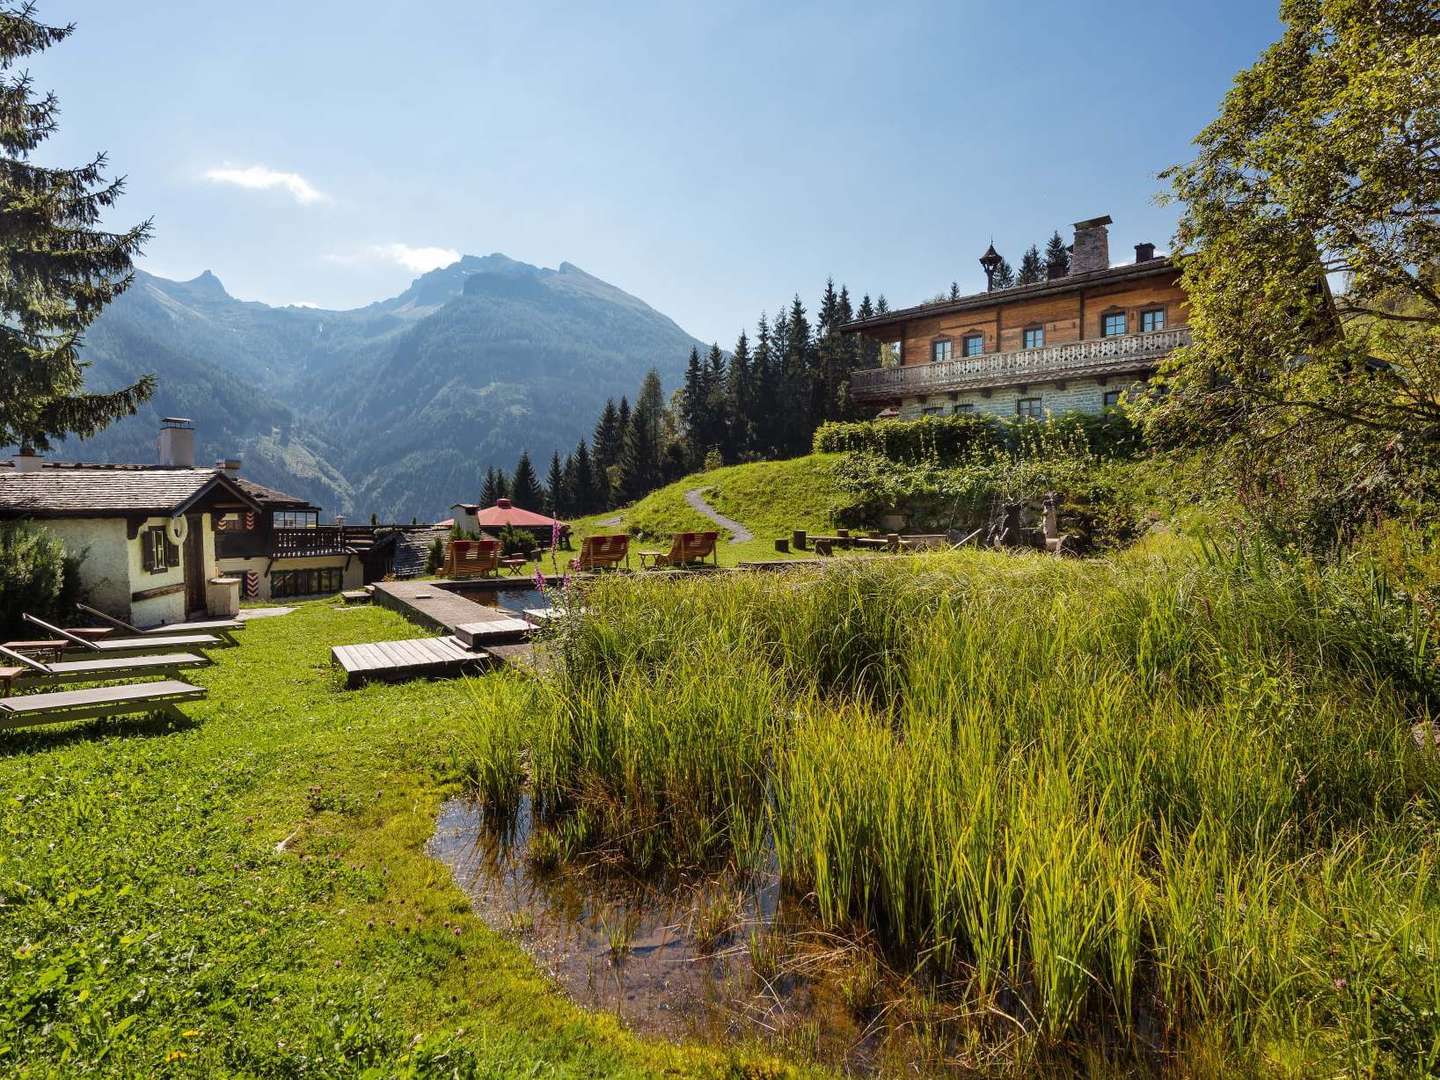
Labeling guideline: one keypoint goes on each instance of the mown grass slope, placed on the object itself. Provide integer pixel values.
(149, 925)
(770, 498)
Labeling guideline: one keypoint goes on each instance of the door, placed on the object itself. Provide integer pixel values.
(194, 564)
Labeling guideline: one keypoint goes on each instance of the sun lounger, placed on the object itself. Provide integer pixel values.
(128, 646)
(30, 709)
(471, 558)
(601, 551)
(686, 549)
(224, 627)
(27, 671)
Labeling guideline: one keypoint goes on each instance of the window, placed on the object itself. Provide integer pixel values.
(1112, 398)
(940, 350)
(1029, 406)
(1154, 319)
(157, 554)
(932, 410)
(296, 519)
(306, 582)
(974, 344)
(1034, 337)
(963, 407)
(1112, 324)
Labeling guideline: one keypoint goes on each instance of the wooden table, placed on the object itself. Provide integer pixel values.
(514, 563)
(45, 651)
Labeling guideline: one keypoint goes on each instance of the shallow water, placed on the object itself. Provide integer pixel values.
(662, 981)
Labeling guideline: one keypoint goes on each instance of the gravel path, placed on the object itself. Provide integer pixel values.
(739, 534)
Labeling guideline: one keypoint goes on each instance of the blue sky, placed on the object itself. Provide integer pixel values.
(712, 159)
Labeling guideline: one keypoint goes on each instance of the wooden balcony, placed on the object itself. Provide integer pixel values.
(308, 542)
(1119, 355)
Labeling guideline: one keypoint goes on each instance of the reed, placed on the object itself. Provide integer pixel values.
(1172, 794)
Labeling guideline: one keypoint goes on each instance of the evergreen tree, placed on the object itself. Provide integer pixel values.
(57, 270)
(1057, 254)
(502, 485)
(1032, 267)
(1004, 275)
(739, 401)
(766, 381)
(524, 485)
(608, 436)
(490, 491)
(639, 468)
(798, 380)
(587, 498)
(869, 348)
(692, 405)
(715, 413)
(954, 290)
(557, 497)
(623, 420)
(882, 306)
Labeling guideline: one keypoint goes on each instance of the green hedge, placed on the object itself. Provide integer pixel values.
(36, 576)
(948, 438)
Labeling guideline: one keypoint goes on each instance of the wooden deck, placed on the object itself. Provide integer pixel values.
(429, 604)
(413, 659)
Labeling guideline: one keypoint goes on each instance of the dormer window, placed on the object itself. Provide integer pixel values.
(940, 350)
(1034, 337)
(1152, 319)
(1112, 324)
(974, 344)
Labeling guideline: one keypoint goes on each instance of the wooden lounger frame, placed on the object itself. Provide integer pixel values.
(128, 645)
(102, 669)
(224, 627)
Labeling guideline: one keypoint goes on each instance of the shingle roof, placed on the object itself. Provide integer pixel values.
(100, 490)
(268, 496)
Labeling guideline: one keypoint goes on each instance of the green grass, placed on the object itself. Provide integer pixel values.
(1161, 807)
(770, 498)
(149, 925)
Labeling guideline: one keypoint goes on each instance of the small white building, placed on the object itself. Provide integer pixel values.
(150, 537)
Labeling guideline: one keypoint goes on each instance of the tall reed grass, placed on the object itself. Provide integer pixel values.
(1174, 795)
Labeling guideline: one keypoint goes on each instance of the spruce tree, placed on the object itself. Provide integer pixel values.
(524, 485)
(1057, 254)
(490, 491)
(1032, 267)
(608, 435)
(715, 409)
(557, 500)
(954, 290)
(693, 405)
(882, 306)
(766, 383)
(639, 459)
(1004, 275)
(587, 500)
(868, 346)
(799, 381)
(57, 270)
(502, 485)
(739, 400)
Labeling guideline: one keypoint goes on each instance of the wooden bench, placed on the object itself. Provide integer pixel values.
(686, 549)
(602, 551)
(29, 670)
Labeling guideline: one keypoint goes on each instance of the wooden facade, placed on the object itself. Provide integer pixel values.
(1056, 345)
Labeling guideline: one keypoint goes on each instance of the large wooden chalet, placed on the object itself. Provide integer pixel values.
(1073, 342)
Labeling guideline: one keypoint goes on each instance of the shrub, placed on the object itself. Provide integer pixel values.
(435, 557)
(515, 541)
(36, 576)
(951, 438)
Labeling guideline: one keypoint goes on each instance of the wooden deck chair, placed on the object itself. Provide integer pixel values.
(28, 671)
(686, 549)
(127, 646)
(602, 551)
(224, 627)
(472, 558)
(28, 710)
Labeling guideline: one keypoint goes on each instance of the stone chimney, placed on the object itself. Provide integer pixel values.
(230, 466)
(1144, 252)
(177, 443)
(1092, 246)
(27, 460)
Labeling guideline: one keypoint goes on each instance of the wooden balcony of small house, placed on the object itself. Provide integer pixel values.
(1119, 355)
(304, 543)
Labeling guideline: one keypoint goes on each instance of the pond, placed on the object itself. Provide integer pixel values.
(717, 959)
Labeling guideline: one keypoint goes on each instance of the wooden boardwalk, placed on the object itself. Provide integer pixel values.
(429, 604)
(412, 659)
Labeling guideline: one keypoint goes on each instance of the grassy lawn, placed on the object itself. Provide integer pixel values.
(148, 923)
(770, 498)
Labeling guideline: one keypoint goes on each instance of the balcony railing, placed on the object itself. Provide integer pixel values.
(1095, 356)
(304, 543)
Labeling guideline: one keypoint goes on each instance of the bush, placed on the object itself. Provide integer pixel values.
(950, 438)
(515, 541)
(36, 576)
(435, 557)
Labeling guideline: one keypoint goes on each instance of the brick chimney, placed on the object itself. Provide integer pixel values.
(1144, 252)
(1092, 246)
(177, 443)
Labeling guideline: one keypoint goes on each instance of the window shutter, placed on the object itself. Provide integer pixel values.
(172, 553)
(147, 550)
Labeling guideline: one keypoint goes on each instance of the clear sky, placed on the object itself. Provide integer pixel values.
(710, 158)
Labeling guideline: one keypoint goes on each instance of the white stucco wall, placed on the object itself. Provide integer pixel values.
(1078, 395)
(112, 567)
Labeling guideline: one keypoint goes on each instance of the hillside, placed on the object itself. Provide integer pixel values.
(770, 498)
(396, 408)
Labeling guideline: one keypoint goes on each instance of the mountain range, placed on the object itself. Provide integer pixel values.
(396, 408)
